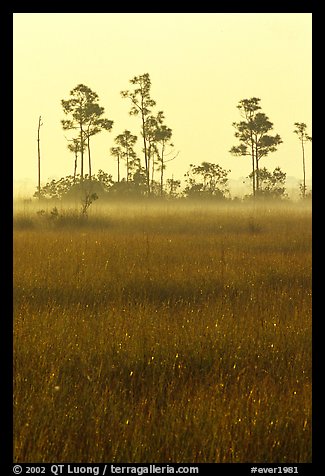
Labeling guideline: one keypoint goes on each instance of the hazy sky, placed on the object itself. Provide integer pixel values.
(200, 64)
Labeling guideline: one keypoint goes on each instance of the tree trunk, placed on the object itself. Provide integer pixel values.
(304, 169)
(82, 153)
(257, 159)
(153, 169)
(89, 159)
(75, 166)
(253, 166)
(145, 151)
(39, 157)
(162, 172)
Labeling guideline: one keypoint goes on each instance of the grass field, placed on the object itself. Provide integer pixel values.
(163, 334)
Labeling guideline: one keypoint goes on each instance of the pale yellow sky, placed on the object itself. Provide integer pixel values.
(200, 64)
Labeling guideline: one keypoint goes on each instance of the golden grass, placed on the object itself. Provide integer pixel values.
(164, 335)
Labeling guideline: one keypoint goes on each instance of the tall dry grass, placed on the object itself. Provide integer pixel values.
(164, 335)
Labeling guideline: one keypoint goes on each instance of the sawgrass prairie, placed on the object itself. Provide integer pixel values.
(163, 333)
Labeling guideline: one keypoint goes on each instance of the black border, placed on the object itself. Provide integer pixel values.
(6, 31)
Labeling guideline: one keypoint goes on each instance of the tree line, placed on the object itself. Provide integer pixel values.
(85, 117)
